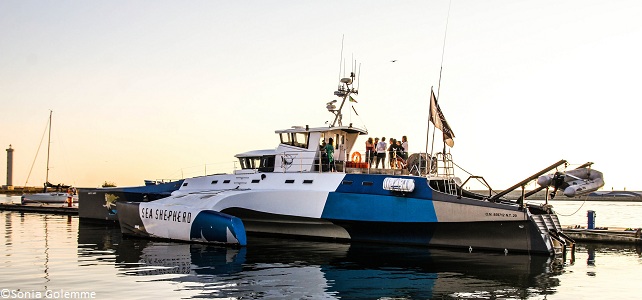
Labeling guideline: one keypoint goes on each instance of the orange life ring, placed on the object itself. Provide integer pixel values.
(356, 157)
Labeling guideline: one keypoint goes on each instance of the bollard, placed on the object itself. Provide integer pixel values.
(591, 219)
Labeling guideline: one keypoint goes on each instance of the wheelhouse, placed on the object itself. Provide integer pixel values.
(300, 149)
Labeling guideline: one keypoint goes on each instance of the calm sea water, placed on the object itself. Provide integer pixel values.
(59, 257)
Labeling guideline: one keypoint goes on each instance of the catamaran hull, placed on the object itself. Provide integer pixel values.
(512, 236)
(203, 226)
(517, 236)
(351, 211)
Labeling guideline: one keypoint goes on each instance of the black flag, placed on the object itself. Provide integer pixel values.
(438, 119)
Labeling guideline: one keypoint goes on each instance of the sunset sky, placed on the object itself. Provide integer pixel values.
(171, 89)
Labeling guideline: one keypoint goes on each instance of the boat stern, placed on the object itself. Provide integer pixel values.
(548, 231)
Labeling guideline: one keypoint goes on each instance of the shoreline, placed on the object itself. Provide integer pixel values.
(540, 196)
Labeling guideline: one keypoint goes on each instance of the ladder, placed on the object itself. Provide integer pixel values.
(446, 169)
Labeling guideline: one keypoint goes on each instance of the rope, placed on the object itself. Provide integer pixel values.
(575, 211)
(37, 151)
(471, 174)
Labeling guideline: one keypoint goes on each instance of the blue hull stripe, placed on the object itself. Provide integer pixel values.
(370, 202)
(377, 208)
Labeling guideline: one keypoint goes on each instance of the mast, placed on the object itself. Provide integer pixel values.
(48, 149)
(441, 68)
(344, 91)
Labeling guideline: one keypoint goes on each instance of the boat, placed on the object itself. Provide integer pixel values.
(49, 198)
(581, 180)
(62, 194)
(99, 204)
(292, 190)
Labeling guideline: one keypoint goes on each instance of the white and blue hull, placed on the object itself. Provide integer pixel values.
(339, 206)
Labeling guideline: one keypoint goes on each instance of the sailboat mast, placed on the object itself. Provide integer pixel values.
(48, 149)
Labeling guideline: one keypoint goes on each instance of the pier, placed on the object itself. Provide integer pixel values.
(609, 236)
(58, 209)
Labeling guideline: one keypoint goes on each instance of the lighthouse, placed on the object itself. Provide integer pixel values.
(10, 168)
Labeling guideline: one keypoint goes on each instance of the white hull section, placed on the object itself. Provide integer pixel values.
(48, 198)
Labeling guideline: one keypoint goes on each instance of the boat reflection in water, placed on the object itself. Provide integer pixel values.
(270, 267)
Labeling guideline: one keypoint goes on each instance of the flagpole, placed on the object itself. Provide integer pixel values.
(427, 136)
(432, 146)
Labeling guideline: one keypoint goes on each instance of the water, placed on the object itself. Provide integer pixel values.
(616, 214)
(61, 257)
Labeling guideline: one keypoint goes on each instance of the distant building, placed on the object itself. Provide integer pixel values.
(9, 168)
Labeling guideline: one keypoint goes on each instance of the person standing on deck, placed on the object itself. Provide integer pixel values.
(381, 153)
(369, 151)
(374, 153)
(404, 145)
(329, 149)
(391, 153)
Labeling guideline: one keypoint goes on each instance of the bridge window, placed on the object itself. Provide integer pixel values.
(296, 139)
(250, 162)
(267, 163)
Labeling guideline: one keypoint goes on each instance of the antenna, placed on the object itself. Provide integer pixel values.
(358, 76)
(441, 68)
(341, 58)
(443, 50)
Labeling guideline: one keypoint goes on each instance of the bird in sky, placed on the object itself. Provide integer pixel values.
(394, 60)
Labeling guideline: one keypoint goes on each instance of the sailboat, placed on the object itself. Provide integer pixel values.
(62, 193)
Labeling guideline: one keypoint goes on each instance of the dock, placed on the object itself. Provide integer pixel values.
(612, 236)
(59, 209)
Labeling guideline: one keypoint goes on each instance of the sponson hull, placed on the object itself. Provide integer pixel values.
(341, 206)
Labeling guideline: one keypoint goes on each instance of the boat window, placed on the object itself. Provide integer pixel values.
(267, 163)
(297, 139)
(307, 181)
(301, 139)
(214, 181)
(226, 181)
(289, 181)
(250, 162)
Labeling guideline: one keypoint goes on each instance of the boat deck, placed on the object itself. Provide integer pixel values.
(377, 171)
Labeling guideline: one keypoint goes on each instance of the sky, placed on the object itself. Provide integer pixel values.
(173, 89)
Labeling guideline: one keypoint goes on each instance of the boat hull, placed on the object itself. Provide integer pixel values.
(99, 204)
(511, 236)
(203, 226)
(47, 198)
(349, 211)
